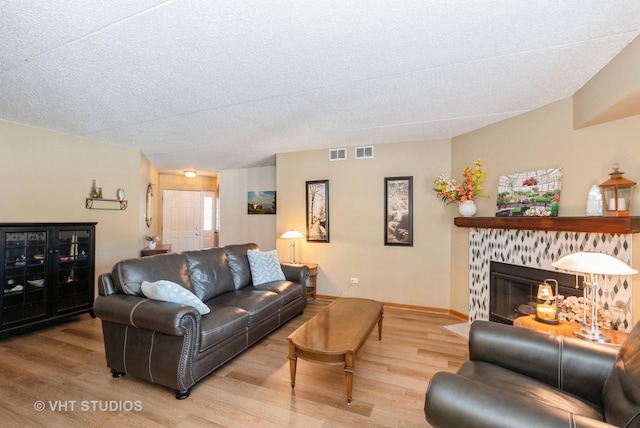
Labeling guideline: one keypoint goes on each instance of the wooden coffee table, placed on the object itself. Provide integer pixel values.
(335, 335)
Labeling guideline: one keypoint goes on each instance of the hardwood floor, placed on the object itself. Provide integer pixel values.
(63, 368)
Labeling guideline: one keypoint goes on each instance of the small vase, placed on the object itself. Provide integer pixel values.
(93, 193)
(152, 245)
(467, 208)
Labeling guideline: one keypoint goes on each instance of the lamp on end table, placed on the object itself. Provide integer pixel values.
(590, 265)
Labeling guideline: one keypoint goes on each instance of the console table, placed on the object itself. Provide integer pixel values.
(160, 249)
(565, 328)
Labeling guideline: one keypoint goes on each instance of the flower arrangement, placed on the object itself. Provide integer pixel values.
(537, 212)
(154, 238)
(572, 309)
(449, 190)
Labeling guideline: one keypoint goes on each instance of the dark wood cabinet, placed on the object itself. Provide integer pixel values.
(47, 273)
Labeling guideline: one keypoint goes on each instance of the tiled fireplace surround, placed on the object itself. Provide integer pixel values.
(538, 249)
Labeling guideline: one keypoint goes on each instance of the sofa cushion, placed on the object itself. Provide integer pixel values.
(128, 274)
(287, 290)
(265, 267)
(259, 304)
(622, 390)
(209, 272)
(168, 291)
(222, 323)
(239, 263)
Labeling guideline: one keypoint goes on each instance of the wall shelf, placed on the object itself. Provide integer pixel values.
(622, 225)
(105, 204)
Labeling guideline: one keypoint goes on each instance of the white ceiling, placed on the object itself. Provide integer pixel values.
(210, 85)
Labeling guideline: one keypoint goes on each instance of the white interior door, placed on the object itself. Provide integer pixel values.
(181, 219)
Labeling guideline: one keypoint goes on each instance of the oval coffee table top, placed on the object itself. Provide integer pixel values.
(341, 327)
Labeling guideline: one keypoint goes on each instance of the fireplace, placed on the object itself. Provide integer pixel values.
(538, 249)
(513, 289)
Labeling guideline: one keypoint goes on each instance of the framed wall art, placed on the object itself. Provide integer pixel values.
(398, 211)
(529, 194)
(261, 202)
(318, 211)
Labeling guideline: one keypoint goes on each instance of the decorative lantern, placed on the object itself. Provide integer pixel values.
(547, 303)
(616, 194)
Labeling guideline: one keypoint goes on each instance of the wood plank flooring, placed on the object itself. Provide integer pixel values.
(63, 368)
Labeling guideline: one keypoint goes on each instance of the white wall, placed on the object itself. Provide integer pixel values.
(236, 226)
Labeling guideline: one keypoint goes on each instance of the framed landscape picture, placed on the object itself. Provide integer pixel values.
(398, 211)
(318, 211)
(529, 194)
(261, 202)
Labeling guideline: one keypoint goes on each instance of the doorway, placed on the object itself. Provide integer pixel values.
(188, 221)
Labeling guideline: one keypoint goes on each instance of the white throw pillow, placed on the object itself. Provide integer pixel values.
(168, 291)
(265, 266)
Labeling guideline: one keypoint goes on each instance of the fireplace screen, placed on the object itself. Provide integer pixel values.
(513, 290)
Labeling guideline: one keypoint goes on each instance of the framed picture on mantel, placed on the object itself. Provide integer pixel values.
(529, 194)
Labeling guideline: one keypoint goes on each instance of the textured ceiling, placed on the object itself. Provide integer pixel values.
(210, 85)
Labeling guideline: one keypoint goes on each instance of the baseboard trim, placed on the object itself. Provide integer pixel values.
(451, 312)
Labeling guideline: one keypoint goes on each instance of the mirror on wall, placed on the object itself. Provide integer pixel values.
(148, 213)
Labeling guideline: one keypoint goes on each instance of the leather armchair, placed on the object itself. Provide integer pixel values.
(517, 378)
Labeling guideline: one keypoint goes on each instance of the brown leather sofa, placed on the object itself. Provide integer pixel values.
(522, 378)
(172, 344)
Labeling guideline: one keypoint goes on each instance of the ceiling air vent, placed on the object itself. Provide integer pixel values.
(337, 154)
(365, 152)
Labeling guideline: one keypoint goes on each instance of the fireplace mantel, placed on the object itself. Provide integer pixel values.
(622, 225)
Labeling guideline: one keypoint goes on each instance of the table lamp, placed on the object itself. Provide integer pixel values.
(292, 235)
(590, 265)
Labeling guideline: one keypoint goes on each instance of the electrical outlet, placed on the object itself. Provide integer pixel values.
(354, 280)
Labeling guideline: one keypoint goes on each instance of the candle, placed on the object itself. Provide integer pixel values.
(622, 206)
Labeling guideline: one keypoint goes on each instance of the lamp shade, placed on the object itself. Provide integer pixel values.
(595, 263)
(292, 234)
(545, 292)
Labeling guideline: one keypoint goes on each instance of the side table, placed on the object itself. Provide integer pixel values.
(160, 249)
(564, 328)
(313, 275)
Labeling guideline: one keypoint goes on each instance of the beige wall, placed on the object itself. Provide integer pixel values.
(236, 226)
(148, 175)
(418, 275)
(540, 139)
(46, 177)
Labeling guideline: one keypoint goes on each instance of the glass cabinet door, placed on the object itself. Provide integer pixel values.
(74, 274)
(24, 275)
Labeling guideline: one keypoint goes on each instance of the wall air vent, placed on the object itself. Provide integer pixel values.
(337, 154)
(365, 152)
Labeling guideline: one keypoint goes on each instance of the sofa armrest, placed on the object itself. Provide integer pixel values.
(299, 274)
(570, 364)
(105, 285)
(453, 400)
(163, 317)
